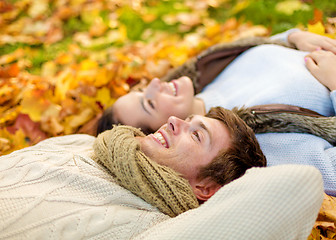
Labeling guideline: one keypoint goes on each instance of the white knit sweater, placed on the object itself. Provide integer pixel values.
(53, 190)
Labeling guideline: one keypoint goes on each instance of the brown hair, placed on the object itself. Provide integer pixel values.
(243, 153)
(107, 120)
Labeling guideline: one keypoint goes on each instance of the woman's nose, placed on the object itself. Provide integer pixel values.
(153, 88)
(176, 125)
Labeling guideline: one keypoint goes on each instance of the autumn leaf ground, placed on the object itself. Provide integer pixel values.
(62, 62)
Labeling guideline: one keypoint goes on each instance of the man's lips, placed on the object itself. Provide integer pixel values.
(159, 137)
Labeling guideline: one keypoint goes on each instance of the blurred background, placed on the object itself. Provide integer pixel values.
(62, 62)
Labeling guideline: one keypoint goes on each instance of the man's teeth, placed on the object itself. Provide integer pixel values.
(161, 139)
(172, 86)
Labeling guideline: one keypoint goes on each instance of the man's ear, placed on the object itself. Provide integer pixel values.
(205, 188)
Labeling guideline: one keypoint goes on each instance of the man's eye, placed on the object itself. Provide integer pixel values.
(195, 133)
(150, 103)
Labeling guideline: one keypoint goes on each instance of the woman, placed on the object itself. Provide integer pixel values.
(256, 77)
(261, 75)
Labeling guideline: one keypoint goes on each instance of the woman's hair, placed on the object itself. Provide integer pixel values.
(106, 121)
(243, 153)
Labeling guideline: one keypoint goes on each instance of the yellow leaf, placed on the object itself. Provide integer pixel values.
(75, 121)
(317, 28)
(88, 64)
(290, 6)
(11, 142)
(102, 77)
(11, 57)
(90, 101)
(34, 106)
(104, 97)
(4, 145)
(64, 82)
(8, 114)
(213, 30)
(241, 5)
(38, 7)
(48, 69)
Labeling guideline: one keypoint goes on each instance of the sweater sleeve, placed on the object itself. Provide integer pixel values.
(333, 98)
(284, 35)
(279, 202)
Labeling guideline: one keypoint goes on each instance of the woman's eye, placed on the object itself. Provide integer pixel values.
(195, 133)
(150, 103)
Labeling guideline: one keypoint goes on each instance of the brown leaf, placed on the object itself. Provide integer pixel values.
(30, 129)
(328, 210)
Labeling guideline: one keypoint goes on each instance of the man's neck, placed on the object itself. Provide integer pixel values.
(198, 107)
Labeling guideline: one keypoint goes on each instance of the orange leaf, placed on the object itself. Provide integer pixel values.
(64, 58)
(318, 17)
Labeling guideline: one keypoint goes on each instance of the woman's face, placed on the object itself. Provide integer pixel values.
(150, 108)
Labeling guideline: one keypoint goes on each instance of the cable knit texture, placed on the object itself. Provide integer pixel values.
(54, 190)
(119, 151)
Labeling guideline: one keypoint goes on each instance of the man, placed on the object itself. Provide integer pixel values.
(208, 152)
(55, 190)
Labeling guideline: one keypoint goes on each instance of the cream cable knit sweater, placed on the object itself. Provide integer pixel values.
(53, 190)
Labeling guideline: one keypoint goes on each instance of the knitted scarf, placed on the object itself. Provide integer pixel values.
(119, 151)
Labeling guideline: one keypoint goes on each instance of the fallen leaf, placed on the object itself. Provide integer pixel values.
(104, 97)
(328, 209)
(72, 123)
(34, 106)
(30, 128)
(290, 6)
(317, 28)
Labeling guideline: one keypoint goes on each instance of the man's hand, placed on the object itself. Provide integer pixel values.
(322, 64)
(306, 41)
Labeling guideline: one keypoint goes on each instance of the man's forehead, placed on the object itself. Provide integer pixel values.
(218, 130)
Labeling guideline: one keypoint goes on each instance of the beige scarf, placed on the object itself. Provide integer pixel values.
(119, 151)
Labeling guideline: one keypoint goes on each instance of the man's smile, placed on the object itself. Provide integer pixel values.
(159, 137)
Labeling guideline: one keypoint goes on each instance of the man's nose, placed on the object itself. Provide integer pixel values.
(153, 88)
(176, 125)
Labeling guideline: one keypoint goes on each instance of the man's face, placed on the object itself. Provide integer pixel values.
(185, 146)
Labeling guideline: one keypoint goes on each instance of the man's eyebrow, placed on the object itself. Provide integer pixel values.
(202, 125)
(141, 99)
(190, 117)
